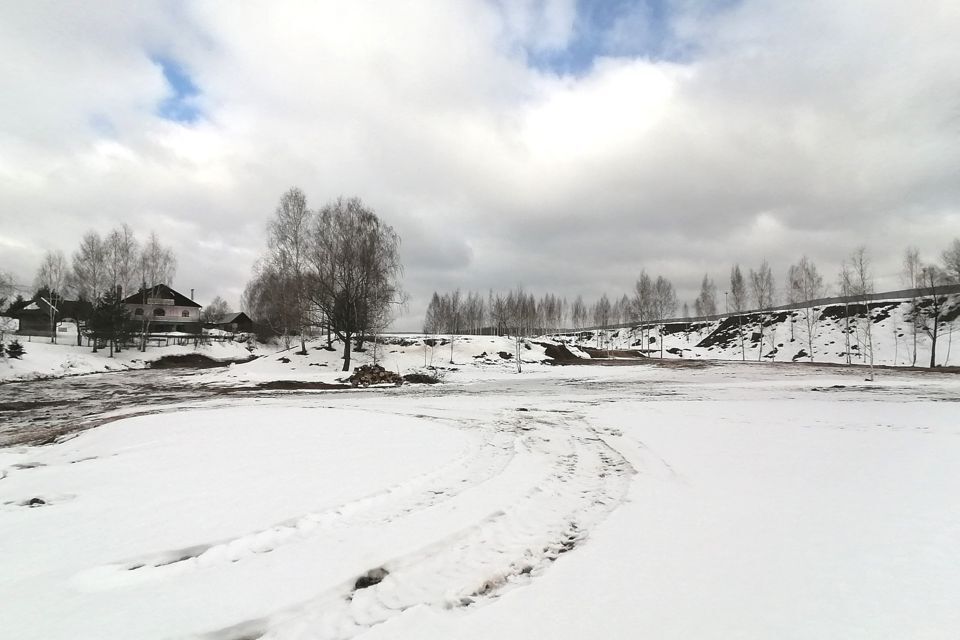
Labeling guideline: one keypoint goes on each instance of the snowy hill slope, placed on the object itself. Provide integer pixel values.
(836, 333)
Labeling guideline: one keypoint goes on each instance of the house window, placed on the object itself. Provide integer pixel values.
(138, 312)
(159, 312)
(185, 314)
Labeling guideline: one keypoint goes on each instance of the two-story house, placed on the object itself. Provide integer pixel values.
(160, 309)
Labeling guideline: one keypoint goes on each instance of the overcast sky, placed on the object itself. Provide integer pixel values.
(562, 146)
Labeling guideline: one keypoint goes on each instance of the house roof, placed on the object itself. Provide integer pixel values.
(65, 309)
(230, 318)
(161, 291)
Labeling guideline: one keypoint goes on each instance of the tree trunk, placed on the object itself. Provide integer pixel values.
(946, 361)
(743, 352)
(346, 352)
(846, 330)
(933, 346)
(913, 323)
(519, 366)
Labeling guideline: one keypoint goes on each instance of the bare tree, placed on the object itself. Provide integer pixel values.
(287, 238)
(355, 268)
(6, 291)
(706, 302)
(951, 261)
(951, 268)
(453, 315)
(214, 311)
(643, 299)
(738, 293)
(806, 285)
(601, 315)
(90, 267)
(664, 304)
(53, 275)
(578, 313)
(158, 264)
(846, 291)
(268, 298)
(520, 311)
(911, 277)
(498, 312)
(862, 289)
(6, 288)
(928, 312)
(762, 286)
(122, 257)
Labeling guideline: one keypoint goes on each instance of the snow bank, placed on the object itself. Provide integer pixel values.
(472, 358)
(42, 359)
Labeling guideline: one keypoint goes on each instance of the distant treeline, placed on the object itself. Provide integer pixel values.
(655, 300)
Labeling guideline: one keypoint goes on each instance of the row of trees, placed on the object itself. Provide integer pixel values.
(101, 271)
(754, 289)
(520, 313)
(336, 268)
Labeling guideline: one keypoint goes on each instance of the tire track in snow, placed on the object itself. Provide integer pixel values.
(586, 479)
(474, 467)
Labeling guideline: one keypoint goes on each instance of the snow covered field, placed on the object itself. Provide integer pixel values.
(715, 501)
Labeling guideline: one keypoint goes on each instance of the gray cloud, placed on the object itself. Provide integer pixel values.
(787, 129)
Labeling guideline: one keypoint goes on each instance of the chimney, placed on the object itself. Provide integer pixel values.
(191, 294)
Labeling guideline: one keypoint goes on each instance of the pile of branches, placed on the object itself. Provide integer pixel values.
(369, 374)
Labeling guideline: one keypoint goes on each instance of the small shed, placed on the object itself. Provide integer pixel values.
(237, 322)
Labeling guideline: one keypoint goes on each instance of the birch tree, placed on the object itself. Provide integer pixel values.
(706, 302)
(806, 285)
(643, 305)
(738, 294)
(122, 256)
(664, 304)
(578, 313)
(355, 270)
(213, 312)
(268, 298)
(911, 277)
(287, 238)
(90, 267)
(158, 264)
(601, 315)
(6, 290)
(928, 313)
(846, 291)
(53, 275)
(951, 261)
(762, 287)
(862, 289)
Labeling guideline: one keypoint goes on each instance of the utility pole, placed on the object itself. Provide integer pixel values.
(53, 322)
